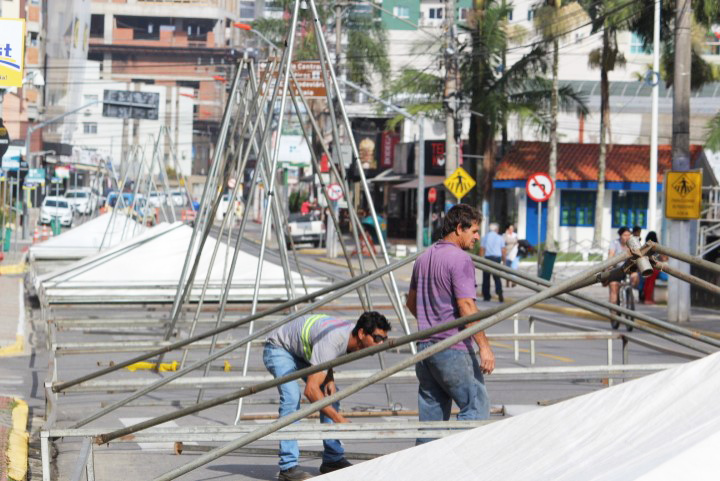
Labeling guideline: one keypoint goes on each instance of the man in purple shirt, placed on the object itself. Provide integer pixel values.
(442, 289)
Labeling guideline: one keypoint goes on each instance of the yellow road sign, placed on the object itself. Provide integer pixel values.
(459, 183)
(683, 195)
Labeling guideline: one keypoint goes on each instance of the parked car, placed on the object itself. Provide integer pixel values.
(225, 204)
(156, 199)
(83, 201)
(177, 198)
(55, 207)
(305, 228)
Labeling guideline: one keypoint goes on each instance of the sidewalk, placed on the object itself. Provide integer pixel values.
(12, 316)
(13, 439)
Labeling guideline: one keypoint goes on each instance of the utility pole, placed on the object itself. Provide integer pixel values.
(450, 95)
(680, 237)
(655, 81)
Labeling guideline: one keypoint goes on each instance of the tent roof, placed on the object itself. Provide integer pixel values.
(663, 426)
(148, 267)
(85, 239)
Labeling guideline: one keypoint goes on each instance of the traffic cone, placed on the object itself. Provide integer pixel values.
(45, 233)
(36, 236)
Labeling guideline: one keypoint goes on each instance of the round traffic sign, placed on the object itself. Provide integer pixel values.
(540, 187)
(335, 192)
(432, 195)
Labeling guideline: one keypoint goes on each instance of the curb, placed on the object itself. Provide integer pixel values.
(18, 348)
(17, 451)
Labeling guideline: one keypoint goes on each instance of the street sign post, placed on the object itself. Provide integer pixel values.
(335, 192)
(459, 183)
(539, 188)
(683, 195)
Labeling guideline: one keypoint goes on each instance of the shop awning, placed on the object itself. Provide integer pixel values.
(389, 176)
(430, 181)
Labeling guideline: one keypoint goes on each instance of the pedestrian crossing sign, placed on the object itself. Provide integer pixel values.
(459, 183)
(683, 195)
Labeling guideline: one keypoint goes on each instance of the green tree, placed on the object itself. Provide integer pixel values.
(554, 19)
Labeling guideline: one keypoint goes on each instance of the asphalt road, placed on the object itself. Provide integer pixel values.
(25, 376)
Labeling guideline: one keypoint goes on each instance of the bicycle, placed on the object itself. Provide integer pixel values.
(625, 299)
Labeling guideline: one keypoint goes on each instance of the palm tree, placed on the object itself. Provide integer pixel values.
(498, 91)
(554, 19)
(610, 17)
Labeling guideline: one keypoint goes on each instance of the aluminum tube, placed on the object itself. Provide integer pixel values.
(696, 261)
(280, 307)
(644, 317)
(244, 392)
(207, 192)
(363, 180)
(466, 333)
(688, 278)
(349, 287)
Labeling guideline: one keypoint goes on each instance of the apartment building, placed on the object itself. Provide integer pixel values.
(23, 105)
(185, 47)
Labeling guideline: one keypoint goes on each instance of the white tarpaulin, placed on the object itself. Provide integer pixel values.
(88, 238)
(148, 268)
(661, 427)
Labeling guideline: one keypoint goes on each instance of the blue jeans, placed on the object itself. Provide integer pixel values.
(450, 375)
(280, 363)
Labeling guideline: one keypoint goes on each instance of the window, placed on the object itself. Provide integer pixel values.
(577, 208)
(629, 209)
(463, 13)
(89, 127)
(436, 13)
(636, 45)
(530, 15)
(401, 12)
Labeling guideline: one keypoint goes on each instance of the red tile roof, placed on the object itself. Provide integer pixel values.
(625, 163)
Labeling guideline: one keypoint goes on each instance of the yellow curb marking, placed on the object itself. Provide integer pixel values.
(13, 269)
(15, 349)
(144, 365)
(541, 354)
(17, 452)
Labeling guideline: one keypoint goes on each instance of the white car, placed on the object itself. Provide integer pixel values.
(82, 200)
(156, 199)
(225, 204)
(178, 199)
(305, 228)
(56, 208)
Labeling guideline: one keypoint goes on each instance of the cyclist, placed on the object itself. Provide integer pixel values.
(616, 246)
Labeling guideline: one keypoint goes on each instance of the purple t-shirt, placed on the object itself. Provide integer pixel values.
(443, 274)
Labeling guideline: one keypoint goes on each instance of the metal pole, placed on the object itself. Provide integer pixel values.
(363, 180)
(347, 286)
(652, 197)
(421, 184)
(696, 261)
(522, 278)
(708, 286)
(466, 333)
(183, 288)
(679, 230)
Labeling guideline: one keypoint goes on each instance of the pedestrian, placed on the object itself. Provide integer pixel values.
(617, 246)
(308, 341)
(511, 247)
(492, 248)
(443, 288)
(649, 285)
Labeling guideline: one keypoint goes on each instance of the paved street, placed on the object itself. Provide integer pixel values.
(24, 376)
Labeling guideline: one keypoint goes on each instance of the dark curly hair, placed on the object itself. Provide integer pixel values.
(461, 214)
(369, 321)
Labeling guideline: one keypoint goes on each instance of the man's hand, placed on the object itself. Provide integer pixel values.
(487, 360)
(329, 388)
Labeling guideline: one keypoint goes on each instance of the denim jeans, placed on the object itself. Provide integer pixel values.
(280, 363)
(450, 375)
(486, 280)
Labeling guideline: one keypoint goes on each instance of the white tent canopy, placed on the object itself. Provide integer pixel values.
(148, 268)
(88, 238)
(662, 427)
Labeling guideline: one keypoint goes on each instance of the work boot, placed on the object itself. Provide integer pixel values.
(293, 474)
(329, 467)
(501, 298)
